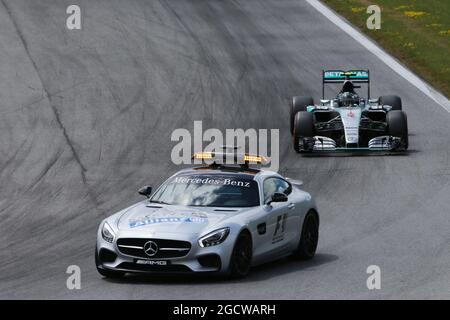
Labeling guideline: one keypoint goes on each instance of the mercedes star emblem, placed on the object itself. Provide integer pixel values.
(150, 248)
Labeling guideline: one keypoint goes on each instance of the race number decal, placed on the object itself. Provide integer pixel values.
(278, 234)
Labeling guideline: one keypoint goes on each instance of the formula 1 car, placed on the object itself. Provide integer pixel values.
(348, 122)
(211, 218)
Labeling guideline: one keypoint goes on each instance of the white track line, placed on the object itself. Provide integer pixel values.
(381, 54)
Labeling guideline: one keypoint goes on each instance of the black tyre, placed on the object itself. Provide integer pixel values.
(309, 237)
(397, 124)
(303, 127)
(241, 257)
(297, 104)
(104, 272)
(394, 101)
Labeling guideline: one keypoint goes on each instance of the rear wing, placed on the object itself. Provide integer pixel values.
(340, 76)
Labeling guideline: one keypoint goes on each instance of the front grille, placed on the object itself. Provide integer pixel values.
(166, 248)
(149, 268)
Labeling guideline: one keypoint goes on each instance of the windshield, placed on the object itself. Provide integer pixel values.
(207, 190)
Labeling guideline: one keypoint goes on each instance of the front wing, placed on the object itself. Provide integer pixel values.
(325, 144)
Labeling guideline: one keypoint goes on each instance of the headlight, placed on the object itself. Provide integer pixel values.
(107, 233)
(214, 238)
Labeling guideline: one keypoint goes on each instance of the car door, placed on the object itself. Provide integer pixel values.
(277, 217)
(292, 213)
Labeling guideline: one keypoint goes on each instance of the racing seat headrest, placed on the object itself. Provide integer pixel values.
(348, 87)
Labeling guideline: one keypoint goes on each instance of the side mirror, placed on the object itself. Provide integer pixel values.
(298, 183)
(145, 191)
(278, 197)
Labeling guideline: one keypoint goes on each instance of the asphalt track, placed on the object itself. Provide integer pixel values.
(86, 118)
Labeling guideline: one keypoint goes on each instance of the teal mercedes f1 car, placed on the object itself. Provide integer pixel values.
(348, 122)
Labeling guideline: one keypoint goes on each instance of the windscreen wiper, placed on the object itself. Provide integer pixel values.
(160, 202)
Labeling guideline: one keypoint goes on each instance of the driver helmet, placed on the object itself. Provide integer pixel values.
(347, 99)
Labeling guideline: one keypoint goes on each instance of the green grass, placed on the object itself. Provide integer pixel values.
(417, 32)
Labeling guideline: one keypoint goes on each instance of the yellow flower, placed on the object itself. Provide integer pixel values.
(410, 45)
(414, 14)
(444, 33)
(402, 7)
(358, 9)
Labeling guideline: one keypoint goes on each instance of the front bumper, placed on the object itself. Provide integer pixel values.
(325, 144)
(213, 259)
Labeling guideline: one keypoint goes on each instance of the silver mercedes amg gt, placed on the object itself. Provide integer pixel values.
(212, 218)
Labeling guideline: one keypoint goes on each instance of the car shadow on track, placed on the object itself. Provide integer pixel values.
(259, 273)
